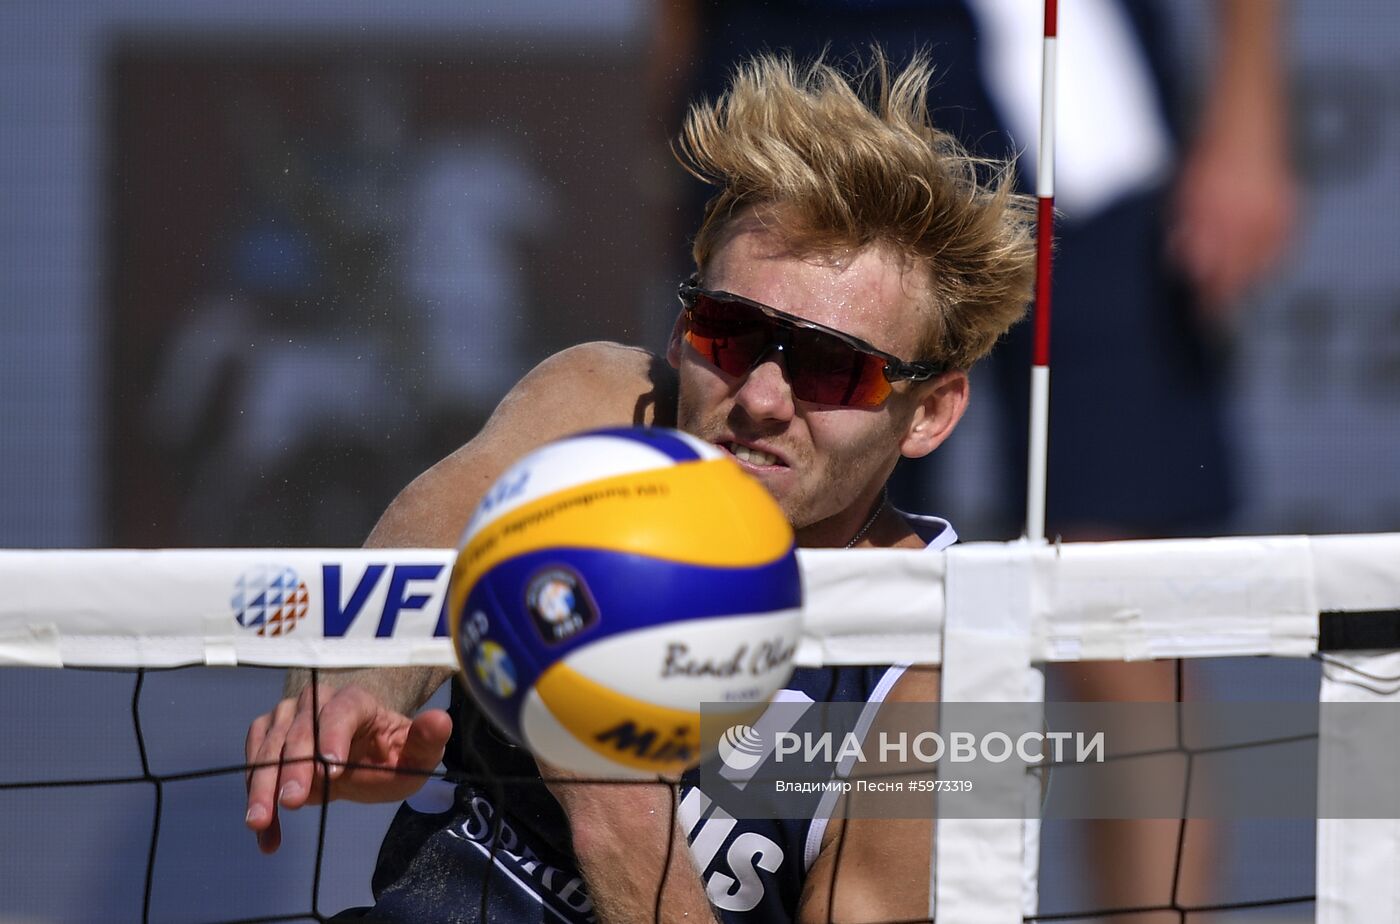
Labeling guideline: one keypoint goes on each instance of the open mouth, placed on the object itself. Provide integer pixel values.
(754, 457)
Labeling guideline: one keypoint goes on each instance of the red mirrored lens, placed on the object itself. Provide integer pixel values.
(821, 368)
(730, 335)
(824, 370)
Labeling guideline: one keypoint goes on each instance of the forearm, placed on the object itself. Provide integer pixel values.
(1249, 78)
(418, 517)
(402, 689)
(1236, 195)
(627, 849)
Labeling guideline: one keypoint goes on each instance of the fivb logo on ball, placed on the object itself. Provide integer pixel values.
(559, 604)
(627, 576)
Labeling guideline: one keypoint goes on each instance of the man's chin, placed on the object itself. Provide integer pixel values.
(797, 511)
(778, 483)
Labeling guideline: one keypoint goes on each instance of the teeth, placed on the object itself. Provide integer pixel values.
(752, 456)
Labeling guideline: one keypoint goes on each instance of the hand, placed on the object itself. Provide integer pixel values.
(1237, 196)
(1235, 208)
(375, 754)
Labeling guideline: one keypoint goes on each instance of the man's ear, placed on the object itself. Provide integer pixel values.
(942, 402)
(673, 346)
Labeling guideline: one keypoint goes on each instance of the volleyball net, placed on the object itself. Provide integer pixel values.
(991, 617)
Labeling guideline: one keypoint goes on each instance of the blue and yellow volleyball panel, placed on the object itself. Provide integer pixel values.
(593, 620)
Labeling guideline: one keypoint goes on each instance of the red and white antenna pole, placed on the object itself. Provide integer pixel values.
(1037, 463)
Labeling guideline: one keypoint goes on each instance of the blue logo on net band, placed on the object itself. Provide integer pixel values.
(410, 588)
(272, 599)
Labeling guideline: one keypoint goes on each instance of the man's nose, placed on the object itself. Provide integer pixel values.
(765, 393)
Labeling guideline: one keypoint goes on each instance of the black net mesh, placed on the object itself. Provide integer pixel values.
(127, 790)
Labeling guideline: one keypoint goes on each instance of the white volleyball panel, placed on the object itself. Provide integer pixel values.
(679, 665)
(562, 465)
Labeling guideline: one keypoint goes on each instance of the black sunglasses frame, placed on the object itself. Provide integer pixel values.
(896, 369)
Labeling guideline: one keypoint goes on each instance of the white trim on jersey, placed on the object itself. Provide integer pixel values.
(817, 829)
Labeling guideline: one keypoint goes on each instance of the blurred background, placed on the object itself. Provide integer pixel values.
(262, 263)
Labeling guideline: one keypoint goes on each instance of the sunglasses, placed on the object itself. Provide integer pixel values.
(824, 366)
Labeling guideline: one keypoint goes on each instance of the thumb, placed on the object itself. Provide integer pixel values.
(427, 740)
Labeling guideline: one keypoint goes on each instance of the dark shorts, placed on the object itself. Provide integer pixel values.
(1137, 433)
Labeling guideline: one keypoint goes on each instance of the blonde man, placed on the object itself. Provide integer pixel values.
(868, 263)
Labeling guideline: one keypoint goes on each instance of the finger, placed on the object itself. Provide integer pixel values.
(252, 744)
(1213, 290)
(1188, 240)
(1232, 280)
(1267, 240)
(270, 838)
(349, 713)
(426, 741)
(298, 767)
(1199, 259)
(266, 769)
(1240, 260)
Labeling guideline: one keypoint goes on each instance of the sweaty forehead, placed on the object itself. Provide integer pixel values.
(871, 292)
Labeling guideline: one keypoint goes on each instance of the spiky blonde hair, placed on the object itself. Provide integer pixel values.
(844, 173)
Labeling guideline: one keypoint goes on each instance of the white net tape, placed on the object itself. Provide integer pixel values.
(1113, 600)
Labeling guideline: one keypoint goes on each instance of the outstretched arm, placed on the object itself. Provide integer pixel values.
(631, 850)
(375, 751)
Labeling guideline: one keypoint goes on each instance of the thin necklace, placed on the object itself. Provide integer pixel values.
(860, 533)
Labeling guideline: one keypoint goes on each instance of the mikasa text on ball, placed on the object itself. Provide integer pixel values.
(611, 582)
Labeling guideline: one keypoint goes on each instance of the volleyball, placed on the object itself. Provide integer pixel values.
(611, 582)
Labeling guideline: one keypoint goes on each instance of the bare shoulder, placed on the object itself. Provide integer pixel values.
(584, 387)
(918, 684)
(598, 384)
